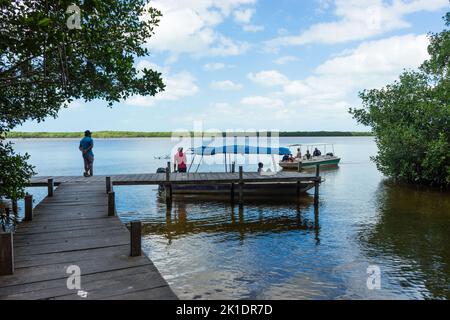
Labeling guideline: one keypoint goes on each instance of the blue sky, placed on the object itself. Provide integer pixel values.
(260, 64)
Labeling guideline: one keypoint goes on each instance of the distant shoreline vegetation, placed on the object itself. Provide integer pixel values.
(141, 134)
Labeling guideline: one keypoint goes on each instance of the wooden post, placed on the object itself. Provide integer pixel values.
(135, 233)
(241, 184)
(111, 204)
(168, 186)
(108, 185)
(232, 193)
(28, 208)
(15, 209)
(50, 186)
(316, 186)
(6, 254)
(233, 167)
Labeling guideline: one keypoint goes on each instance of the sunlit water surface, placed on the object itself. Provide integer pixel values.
(278, 249)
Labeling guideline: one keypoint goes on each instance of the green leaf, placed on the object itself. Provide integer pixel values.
(44, 22)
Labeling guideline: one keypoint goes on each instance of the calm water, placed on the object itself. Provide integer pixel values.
(210, 250)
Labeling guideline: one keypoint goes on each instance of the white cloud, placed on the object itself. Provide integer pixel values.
(226, 85)
(386, 57)
(268, 78)
(334, 84)
(226, 47)
(371, 65)
(285, 60)
(190, 27)
(359, 20)
(146, 64)
(264, 102)
(214, 66)
(252, 28)
(178, 85)
(243, 16)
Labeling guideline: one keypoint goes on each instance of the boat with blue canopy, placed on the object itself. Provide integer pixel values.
(264, 187)
(239, 149)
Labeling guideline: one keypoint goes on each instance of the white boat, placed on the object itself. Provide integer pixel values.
(328, 159)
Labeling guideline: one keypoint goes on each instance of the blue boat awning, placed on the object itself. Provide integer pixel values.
(239, 149)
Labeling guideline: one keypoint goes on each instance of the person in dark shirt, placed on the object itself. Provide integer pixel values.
(317, 152)
(86, 145)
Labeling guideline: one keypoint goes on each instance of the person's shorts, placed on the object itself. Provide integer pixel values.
(88, 159)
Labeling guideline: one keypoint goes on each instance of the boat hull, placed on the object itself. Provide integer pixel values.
(311, 164)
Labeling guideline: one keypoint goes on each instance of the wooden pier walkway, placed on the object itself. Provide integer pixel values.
(178, 178)
(76, 226)
(72, 228)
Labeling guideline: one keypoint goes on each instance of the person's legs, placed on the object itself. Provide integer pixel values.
(86, 165)
(91, 167)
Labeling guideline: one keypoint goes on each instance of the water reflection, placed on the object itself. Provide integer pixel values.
(411, 238)
(183, 218)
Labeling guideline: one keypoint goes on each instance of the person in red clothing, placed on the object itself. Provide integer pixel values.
(180, 161)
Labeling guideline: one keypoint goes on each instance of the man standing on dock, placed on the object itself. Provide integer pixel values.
(86, 145)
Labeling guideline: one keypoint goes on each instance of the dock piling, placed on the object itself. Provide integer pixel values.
(109, 187)
(316, 186)
(50, 187)
(168, 186)
(135, 234)
(6, 253)
(28, 208)
(232, 193)
(241, 184)
(111, 204)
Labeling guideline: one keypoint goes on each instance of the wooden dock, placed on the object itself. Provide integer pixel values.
(76, 226)
(178, 178)
(71, 229)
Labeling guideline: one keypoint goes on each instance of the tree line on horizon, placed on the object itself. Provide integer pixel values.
(168, 134)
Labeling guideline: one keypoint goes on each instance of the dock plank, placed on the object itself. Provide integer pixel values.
(73, 228)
